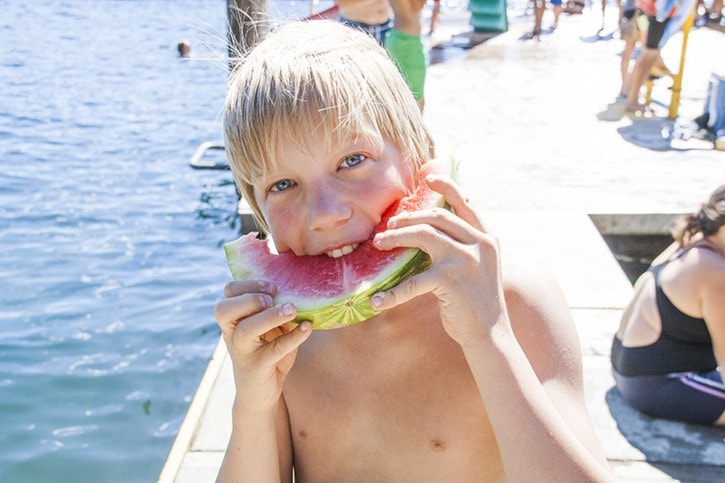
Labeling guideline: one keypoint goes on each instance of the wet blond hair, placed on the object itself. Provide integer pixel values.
(706, 221)
(310, 77)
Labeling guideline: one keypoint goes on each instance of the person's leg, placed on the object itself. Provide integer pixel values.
(407, 52)
(557, 8)
(697, 398)
(434, 16)
(539, 8)
(403, 43)
(630, 34)
(647, 57)
(624, 67)
(639, 73)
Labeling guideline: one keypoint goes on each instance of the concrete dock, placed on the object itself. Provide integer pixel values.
(537, 161)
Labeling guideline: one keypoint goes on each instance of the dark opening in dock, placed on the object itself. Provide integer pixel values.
(635, 239)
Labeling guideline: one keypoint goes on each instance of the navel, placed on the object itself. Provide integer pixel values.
(437, 444)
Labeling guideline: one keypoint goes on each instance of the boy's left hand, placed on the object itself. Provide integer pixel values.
(465, 273)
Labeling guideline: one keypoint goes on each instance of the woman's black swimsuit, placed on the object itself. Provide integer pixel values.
(676, 377)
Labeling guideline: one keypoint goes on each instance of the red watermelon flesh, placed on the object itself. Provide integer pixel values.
(335, 292)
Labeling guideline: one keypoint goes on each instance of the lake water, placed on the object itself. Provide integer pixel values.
(110, 244)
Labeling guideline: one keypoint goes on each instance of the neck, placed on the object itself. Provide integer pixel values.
(717, 242)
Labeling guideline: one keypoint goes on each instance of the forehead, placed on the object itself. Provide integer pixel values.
(317, 133)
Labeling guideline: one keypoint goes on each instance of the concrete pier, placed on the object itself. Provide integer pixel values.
(537, 162)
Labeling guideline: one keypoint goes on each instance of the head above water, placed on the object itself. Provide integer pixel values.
(184, 48)
(316, 79)
(707, 221)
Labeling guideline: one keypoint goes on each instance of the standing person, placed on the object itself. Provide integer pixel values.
(657, 22)
(405, 45)
(631, 33)
(474, 378)
(671, 339)
(370, 16)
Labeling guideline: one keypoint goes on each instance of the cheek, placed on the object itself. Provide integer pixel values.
(400, 182)
(390, 189)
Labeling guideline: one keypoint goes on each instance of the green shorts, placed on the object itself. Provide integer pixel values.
(407, 52)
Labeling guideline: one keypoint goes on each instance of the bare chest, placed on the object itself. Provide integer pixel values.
(406, 418)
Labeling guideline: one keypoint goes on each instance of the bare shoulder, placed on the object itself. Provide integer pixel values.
(703, 269)
(711, 276)
(542, 321)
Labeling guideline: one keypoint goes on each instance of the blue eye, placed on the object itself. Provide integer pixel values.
(353, 160)
(282, 185)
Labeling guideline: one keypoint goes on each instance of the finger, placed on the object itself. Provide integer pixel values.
(255, 327)
(239, 287)
(440, 219)
(405, 291)
(434, 242)
(283, 345)
(454, 196)
(230, 311)
(277, 332)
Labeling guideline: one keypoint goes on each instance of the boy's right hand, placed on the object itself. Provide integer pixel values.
(261, 342)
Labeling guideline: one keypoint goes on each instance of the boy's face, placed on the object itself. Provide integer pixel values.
(326, 198)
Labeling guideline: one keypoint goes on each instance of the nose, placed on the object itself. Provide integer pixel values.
(328, 207)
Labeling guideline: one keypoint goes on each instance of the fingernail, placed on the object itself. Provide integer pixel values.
(266, 300)
(376, 301)
(288, 309)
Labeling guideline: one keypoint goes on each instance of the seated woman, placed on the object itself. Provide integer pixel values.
(671, 339)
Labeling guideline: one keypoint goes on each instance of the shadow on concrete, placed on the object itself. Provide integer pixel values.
(457, 45)
(601, 36)
(660, 134)
(687, 452)
(648, 133)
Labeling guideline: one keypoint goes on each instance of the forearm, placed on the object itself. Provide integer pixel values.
(534, 440)
(252, 454)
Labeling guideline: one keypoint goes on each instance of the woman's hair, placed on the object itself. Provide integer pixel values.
(706, 221)
(311, 77)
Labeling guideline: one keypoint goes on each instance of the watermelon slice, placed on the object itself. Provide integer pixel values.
(335, 292)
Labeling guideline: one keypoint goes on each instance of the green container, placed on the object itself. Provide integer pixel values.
(488, 15)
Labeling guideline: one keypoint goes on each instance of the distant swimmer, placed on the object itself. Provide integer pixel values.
(184, 48)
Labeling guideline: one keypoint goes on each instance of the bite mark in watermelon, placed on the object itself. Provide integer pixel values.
(335, 292)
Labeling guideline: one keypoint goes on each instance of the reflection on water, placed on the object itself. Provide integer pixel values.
(109, 242)
(217, 204)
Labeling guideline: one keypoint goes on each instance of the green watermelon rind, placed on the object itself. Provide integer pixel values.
(356, 308)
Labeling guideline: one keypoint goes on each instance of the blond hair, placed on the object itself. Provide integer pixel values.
(316, 77)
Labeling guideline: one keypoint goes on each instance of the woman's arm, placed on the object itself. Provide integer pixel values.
(712, 294)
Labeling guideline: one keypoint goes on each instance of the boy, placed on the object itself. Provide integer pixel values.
(405, 45)
(469, 373)
(371, 16)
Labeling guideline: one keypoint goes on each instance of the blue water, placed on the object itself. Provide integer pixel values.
(110, 244)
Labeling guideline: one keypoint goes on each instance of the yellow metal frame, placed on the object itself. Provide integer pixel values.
(676, 77)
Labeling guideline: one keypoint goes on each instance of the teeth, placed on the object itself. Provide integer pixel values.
(338, 252)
